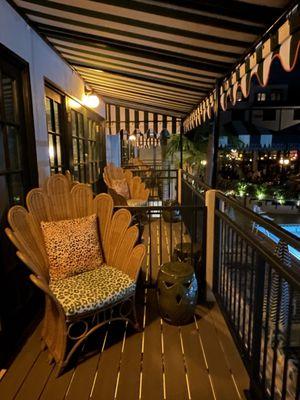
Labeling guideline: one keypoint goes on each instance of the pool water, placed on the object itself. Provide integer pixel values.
(292, 228)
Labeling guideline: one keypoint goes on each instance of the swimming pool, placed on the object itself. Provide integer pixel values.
(292, 228)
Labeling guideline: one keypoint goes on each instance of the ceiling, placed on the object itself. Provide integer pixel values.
(163, 55)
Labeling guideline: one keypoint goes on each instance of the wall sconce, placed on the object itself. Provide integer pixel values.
(91, 100)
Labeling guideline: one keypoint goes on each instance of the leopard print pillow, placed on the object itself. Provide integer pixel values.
(121, 187)
(72, 246)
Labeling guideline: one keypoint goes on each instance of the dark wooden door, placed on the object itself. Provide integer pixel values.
(17, 176)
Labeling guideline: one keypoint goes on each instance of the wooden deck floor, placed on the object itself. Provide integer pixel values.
(195, 361)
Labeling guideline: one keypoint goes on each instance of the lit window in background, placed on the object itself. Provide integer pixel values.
(261, 96)
(245, 139)
(266, 140)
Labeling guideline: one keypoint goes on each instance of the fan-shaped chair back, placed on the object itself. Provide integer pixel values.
(137, 188)
(59, 199)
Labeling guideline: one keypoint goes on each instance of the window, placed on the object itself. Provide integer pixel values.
(79, 146)
(245, 139)
(269, 115)
(54, 128)
(93, 151)
(276, 96)
(239, 96)
(297, 114)
(266, 140)
(12, 137)
(261, 97)
(76, 137)
(88, 146)
(223, 141)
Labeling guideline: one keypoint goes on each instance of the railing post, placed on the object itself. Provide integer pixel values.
(202, 275)
(255, 390)
(217, 246)
(210, 199)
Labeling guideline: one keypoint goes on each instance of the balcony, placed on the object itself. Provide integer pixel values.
(244, 339)
(163, 361)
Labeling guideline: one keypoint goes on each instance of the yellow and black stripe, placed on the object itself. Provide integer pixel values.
(129, 118)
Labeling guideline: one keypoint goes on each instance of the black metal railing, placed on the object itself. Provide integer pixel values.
(193, 194)
(150, 164)
(166, 237)
(257, 284)
(162, 182)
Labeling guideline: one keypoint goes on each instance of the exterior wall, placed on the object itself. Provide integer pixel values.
(253, 111)
(284, 119)
(44, 63)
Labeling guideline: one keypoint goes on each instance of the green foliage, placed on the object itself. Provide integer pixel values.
(192, 151)
(261, 192)
(242, 189)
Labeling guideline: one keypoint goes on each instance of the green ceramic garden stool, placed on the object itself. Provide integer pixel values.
(177, 292)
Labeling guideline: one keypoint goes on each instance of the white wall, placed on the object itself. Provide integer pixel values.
(16, 35)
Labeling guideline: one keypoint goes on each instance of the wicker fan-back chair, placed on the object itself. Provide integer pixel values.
(59, 199)
(138, 193)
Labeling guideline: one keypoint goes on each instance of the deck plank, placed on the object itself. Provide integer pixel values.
(199, 383)
(231, 353)
(223, 384)
(36, 379)
(84, 373)
(129, 382)
(56, 387)
(152, 384)
(16, 374)
(108, 367)
(176, 386)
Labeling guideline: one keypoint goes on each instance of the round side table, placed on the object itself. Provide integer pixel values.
(177, 292)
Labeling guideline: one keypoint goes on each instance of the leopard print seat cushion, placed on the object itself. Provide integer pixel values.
(121, 187)
(92, 290)
(72, 246)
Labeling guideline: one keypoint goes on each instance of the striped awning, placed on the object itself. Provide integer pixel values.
(161, 54)
(282, 44)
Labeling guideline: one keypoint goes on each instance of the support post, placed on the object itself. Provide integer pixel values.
(181, 144)
(210, 202)
(213, 144)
